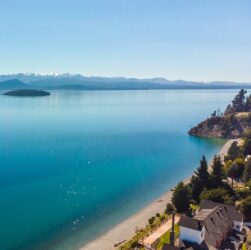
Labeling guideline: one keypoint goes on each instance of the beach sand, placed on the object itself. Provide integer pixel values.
(126, 229)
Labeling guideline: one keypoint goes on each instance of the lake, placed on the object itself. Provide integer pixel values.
(74, 164)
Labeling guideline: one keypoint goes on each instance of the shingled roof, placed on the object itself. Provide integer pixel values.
(217, 219)
(231, 212)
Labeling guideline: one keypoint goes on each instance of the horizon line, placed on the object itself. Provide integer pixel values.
(55, 74)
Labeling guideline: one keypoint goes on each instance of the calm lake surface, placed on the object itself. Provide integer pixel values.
(74, 164)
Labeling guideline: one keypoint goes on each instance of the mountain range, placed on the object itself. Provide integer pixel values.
(79, 82)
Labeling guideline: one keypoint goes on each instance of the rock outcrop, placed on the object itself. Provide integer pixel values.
(228, 126)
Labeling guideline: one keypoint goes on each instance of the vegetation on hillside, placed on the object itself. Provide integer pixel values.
(27, 92)
(235, 121)
(229, 181)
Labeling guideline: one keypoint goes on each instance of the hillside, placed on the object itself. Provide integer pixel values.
(12, 84)
(235, 121)
(80, 82)
(230, 126)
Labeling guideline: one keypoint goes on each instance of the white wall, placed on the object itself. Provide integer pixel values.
(191, 235)
(238, 225)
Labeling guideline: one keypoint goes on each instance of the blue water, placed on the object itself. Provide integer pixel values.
(74, 164)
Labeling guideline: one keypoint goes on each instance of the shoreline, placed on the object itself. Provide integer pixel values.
(126, 229)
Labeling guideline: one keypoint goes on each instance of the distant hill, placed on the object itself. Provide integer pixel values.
(27, 92)
(79, 82)
(12, 84)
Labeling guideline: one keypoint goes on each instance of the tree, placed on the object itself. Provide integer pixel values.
(248, 104)
(238, 103)
(169, 208)
(200, 180)
(246, 148)
(202, 171)
(220, 195)
(180, 198)
(213, 114)
(234, 151)
(247, 171)
(151, 220)
(196, 188)
(218, 173)
(245, 207)
(233, 171)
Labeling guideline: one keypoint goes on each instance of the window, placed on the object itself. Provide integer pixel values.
(201, 234)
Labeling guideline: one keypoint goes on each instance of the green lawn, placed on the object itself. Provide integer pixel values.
(165, 238)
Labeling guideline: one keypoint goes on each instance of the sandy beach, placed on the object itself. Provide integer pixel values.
(126, 229)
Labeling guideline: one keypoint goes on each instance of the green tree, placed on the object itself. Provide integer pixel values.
(233, 151)
(245, 207)
(202, 171)
(238, 103)
(220, 195)
(151, 220)
(199, 180)
(169, 208)
(218, 173)
(233, 172)
(248, 104)
(247, 171)
(180, 198)
(246, 148)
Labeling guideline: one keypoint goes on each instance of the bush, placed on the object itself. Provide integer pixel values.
(169, 208)
(220, 195)
(162, 217)
(151, 220)
(242, 193)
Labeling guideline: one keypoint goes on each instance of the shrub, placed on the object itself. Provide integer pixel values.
(169, 208)
(151, 220)
(220, 195)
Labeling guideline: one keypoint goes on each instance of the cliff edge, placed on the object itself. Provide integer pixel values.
(235, 121)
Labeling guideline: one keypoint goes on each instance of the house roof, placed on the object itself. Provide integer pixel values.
(229, 210)
(189, 222)
(216, 218)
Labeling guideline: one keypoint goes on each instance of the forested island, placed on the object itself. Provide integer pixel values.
(27, 92)
(233, 123)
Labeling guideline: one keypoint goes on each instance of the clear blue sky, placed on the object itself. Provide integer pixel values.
(177, 39)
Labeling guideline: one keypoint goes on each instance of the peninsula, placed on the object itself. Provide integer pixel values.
(27, 92)
(233, 123)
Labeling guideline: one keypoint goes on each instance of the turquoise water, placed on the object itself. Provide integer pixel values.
(74, 164)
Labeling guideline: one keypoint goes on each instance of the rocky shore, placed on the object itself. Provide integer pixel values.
(228, 126)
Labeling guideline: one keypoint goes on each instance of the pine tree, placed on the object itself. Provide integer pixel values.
(238, 103)
(202, 171)
(180, 198)
(233, 151)
(246, 148)
(247, 171)
(218, 173)
(248, 104)
(200, 180)
(233, 172)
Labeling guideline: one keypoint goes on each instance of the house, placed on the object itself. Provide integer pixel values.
(247, 157)
(214, 226)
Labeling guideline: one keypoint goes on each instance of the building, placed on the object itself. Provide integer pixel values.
(214, 226)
